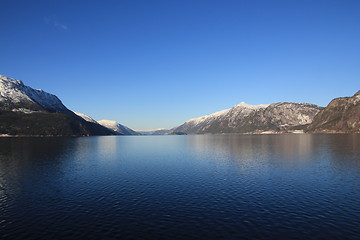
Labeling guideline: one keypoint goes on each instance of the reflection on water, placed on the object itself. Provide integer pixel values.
(181, 187)
(244, 148)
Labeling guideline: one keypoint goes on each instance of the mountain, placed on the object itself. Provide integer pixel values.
(340, 115)
(86, 117)
(160, 131)
(218, 122)
(30, 112)
(279, 117)
(117, 127)
(113, 126)
(16, 97)
(245, 118)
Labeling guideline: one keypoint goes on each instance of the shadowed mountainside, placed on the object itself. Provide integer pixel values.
(29, 112)
(340, 115)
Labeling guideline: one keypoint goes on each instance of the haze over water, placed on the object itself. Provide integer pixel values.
(181, 187)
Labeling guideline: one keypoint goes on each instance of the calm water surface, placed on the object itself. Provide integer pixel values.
(181, 187)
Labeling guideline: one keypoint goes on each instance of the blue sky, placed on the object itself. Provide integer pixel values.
(154, 64)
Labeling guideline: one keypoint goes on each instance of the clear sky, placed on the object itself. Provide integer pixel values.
(156, 63)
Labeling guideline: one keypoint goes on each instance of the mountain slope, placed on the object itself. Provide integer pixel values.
(46, 124)
(340, 115)
(86, 117)
(245, 118)
(117, 127)
(26, 111)
(15, 96)
(218, 122)
(279, 117)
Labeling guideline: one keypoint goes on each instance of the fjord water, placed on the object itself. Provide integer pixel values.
(181, 187)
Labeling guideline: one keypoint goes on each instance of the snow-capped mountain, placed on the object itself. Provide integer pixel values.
(246, 118)
(160, 131)
(210, 123)
(86, 117)
(114, 126)
(117, 127)
(279, 117)
(27, 111)
(17, 97)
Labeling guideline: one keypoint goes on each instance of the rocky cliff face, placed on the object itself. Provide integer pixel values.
(340, 115)
(245, 118)
(280, 117)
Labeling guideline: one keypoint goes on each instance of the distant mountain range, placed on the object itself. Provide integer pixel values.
(245, 118)
(160, 131)
(30, 112)
(342, 115)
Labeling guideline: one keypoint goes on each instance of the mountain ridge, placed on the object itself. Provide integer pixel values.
(16, 96)
(117, 127)
(28, 111)
(341, 115)
(246, 118)
(25, 111)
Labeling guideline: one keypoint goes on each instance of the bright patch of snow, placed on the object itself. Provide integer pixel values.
(85, 117)
(242, 107)
(23, 110)
(117, 127)
(206, 117)
(15, 91)
(249, 106)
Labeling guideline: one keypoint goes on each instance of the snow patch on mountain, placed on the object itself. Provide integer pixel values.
(86, 117)
(14, 93)
(249, 106)
(117, 127)
(243, 107)
(246, 118)
(207, 117)
(231, 116)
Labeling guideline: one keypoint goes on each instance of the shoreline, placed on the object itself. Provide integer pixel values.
(206, 134)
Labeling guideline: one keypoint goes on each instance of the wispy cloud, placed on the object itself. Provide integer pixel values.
(62, 26)
(52, 20)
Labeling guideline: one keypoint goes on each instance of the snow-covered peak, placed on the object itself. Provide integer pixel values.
(85, 117)
(117, 127)
(241, 106)
(229, 117)
(245, 105)
(206, 117)
(7, 80)
(108, 123)
(17, 95)
(12, 90)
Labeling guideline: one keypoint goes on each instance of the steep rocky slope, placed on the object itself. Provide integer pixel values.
(340, 115)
